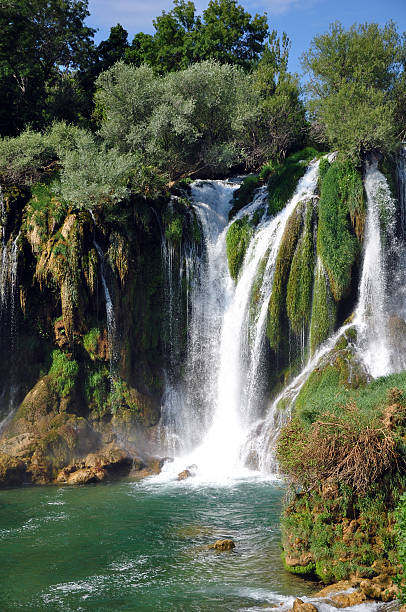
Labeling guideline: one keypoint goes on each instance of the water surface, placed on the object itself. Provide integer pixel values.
(142, 546)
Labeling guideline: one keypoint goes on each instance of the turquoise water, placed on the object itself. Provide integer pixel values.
(142, 546)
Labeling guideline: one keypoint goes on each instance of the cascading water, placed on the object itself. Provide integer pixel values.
(223, 332)
(8, 319)
(371, 316)
(111, 322)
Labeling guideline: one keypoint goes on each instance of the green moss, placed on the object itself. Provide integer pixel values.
(277, 303)
(244, 195)
(256, 288)
(283, 178)
(300, 570)
(341, 220)
(387, 165)
(324, 311)
(174, 230)
(237, 240)
(300, 283)
(63, 373)
(97, 388)
(90, 341)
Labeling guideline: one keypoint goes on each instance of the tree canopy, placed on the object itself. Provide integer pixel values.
(354, 87)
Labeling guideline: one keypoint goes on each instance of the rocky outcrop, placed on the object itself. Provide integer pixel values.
(300, 606)
(12, 470)
(222, 545)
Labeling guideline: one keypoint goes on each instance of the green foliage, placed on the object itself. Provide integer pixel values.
(341, 200)
(353, 77)
(121, 396)
(300, 283)
(401, 538)
(174, 230)
(97, 388)
(90, 341)
(283, 178)
(23, 159)
(181, 121)
(41, 41)
(63, 373)
(277, 319)
(244, 194)
(237, 240)
(225, 32)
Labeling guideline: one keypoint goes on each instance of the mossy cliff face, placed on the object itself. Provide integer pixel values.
(343, 451)
(77, 385)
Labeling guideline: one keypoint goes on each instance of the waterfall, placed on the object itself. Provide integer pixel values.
(111, 322)
(371, 317)
(8, 316)
(225, 348)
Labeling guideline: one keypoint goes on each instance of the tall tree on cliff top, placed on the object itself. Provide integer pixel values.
(42, 41)
(355, 87)
(225, 32)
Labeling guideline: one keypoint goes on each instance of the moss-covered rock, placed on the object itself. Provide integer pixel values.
(277, 316)
(300, 282)
(12, 470)
(237, 241)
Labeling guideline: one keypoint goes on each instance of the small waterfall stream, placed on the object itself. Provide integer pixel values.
(111, 321)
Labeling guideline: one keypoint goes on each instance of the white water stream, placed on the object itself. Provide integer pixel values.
(224, 353)
(111, 321)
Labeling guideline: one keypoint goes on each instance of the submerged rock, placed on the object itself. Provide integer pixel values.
(222, 545)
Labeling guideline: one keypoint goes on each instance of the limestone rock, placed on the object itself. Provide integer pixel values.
(300, 606)
(346, 600)
(184, 475)
(12, 470)
(81, 476)
(223, 545)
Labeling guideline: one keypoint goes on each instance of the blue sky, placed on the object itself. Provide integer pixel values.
(300, 19)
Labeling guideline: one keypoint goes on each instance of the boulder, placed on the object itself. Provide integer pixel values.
(184, 475)
(300, 606)
(223, 545)
(82, 476)
(12, 470)
(346, 600)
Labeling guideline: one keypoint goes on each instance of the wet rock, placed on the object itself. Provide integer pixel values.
(300, 606)
(17, 445)
(184, 475)
(113, 460)
(12, 470)
(81, 476)
(346, 600)
(223, 545)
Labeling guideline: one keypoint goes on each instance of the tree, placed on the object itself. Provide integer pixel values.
(230, 35)
(353, 77)
(41, 40)
(226, 33)
(180, 123)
